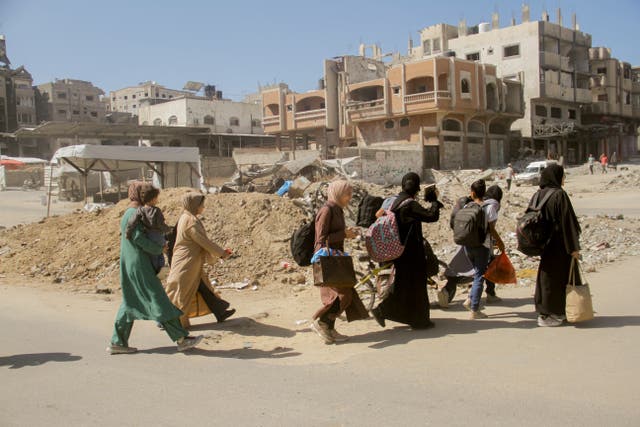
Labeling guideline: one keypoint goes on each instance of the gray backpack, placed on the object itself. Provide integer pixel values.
(469, 226)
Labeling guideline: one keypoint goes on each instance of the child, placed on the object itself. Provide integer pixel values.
(152, 221)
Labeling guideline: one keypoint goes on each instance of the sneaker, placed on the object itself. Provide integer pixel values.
(548, 321)
(337, 336)
(443, 298)
(323, 331)
(187, 343)
(467, 304)
(120, 349)
(477, 315)
(493, 299)
(378, 316)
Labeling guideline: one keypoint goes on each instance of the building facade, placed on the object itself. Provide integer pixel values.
(128, 100)
(69, 100)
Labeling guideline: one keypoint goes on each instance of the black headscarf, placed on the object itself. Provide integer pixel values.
(551, 176)
(411, 184)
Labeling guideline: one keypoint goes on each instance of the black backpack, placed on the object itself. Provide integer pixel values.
(533, 230)
(469, 228)
(462, 201)
(367, 209)
(302, 244)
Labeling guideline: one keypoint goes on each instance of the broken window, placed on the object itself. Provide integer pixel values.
(475, 56)
(541, 111)
(465, 86)
(404, 122)
(396, 90)
(389, 124)
(602, 70)
(510, 51)
(90, 97)
(209, 120)
(234, 121)
(572, 114)
(556, 112)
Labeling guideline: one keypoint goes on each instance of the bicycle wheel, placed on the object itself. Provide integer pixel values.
(366, 290)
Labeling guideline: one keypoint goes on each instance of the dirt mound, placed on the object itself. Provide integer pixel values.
(84, 248)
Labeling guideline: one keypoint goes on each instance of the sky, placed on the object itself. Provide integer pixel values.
(237, 45)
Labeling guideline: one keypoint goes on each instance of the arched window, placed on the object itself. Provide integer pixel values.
(451, 125)
(475, 127)
(145, 123)
(157, 122)
(465, 86)
(234, 121)
(174, 143)
(389, 124)
(173, 120)
(209, 120)
(404, 122)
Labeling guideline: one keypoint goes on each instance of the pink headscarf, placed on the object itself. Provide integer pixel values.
(337, 189)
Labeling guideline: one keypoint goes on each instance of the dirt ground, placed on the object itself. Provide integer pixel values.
(23, 207)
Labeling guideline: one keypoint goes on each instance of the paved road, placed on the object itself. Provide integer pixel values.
(499, 371)
(23, 207)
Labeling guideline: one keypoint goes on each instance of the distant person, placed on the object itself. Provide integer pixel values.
(143, 297)
(492, 200)
(509, 176)
(604, 161)
(555, 262)
(331, 230)
(408, 303)
(191, 251)
(614, 160)
(152, 220)
(591, 161)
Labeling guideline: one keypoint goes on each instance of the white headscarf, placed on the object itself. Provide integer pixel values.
(337, 189)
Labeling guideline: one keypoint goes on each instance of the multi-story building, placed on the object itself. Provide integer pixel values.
(453, 113)
(614, 115)
(550, 60)
(128, 99)
(69, 100)
(17, 98)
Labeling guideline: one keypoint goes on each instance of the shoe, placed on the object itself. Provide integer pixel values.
(378, 316)
(323, 331)
(477, 315)
(467, 304)
(224, 316)
(337, 336)
(443, 298)
(548, 321)
(187, 343)
(428, 325)
(120, 349)
(493, 299)
(160, 326)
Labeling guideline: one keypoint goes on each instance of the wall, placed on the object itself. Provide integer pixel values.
(382, 166)
(217, 167)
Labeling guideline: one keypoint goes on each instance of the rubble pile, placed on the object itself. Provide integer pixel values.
(629, 178)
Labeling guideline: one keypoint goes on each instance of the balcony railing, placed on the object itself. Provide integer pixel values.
(366, 105)
(311, 114)
(270, 120)
(417, 98)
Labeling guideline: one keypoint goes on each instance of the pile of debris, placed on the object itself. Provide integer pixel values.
(629, 177)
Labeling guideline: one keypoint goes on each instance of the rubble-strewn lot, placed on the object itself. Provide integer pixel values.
(82, 249)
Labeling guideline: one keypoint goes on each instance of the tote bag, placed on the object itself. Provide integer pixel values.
(579, 305)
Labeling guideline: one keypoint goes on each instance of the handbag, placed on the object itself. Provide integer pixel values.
(501, 270)
(579, 306)
(335, 271)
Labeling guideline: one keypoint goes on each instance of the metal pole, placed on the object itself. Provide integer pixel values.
(49, 191)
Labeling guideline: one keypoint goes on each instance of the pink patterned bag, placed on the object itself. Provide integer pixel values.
(383, 237)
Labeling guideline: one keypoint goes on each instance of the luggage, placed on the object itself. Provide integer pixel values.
(335, 271)
(382, 238)
(367, 209)
(469, 226)
(533, 230)
(302, 244)
(579, 306)
(500, 270)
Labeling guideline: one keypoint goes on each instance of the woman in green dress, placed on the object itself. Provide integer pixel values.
(143, 297)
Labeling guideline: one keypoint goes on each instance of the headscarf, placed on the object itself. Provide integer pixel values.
(135, 195)
(411, 184)
(192, 201)
(337, 189)
(551, 176)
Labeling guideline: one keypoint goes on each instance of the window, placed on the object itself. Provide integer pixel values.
(451, 125)
(234, 121)
(113, 99)
(157, 122)
(255, 123)
(164, 95)
(627, 98)
(510, 51)
(541, 111)
(133, 106)
(465, 86)
(18, 100)
(396, 90)
(602, 70)
(62, 95)
(603, 97)
(146, 94)
(62, 112)
(436, 45)
(125, 97)
(133, 97)
(196, 121)
(289, 107)
(404, 122)
(389, 124)
(173, 120)
(556, 112)
(572, 114)
(89, 97)
(76, 112)
(475, 56)
(94, 114)
(426, 47)
(323, 105)
(490, 51)
(209, 120)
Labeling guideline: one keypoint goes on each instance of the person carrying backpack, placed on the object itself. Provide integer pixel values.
(478, 220)
(408, 303)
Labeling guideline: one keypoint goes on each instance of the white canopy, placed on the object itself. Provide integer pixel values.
(164, 161)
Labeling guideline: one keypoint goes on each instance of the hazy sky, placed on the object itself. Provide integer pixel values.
(236, 44)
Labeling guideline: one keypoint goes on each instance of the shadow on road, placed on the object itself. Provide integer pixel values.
(18, 361)
(241, 353)
(609, 322)
(246, 326)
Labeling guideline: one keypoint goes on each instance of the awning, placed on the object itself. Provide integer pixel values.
(107, 130)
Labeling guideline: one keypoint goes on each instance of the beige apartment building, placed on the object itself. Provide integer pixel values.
(128, 100)
(446, 112)
(69, 100)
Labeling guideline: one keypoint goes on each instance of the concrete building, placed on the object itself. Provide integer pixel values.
(549, 59)
(614, 115)
(69, 100)
(443, 112)
(128, 99)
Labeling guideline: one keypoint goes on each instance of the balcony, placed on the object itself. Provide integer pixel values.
(549, 60)
(271, 121)
(600, 107)
(311, 118)
(426, 97)
(583, 96)
(635, 87)
(363, 110)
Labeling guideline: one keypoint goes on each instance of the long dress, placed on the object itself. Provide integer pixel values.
(143, 297)
(409, 302)
(555, 262)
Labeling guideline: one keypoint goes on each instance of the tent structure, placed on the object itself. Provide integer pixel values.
(172, 166)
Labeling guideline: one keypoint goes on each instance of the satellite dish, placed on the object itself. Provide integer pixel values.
(193, 86)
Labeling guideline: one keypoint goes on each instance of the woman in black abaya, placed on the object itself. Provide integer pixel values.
(555, 262)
